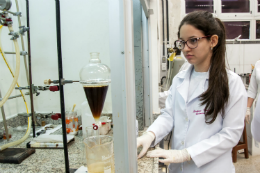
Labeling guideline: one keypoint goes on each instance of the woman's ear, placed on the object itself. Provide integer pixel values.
(214, 40)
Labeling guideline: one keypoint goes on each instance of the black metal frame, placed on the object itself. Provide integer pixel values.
(163, 27)
(62, 103)
(30, 65)
(58, 26)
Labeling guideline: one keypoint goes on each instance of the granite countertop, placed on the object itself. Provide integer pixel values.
(52, 160)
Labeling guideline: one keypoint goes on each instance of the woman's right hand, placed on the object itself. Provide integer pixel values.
(145, 140)
(247, 118)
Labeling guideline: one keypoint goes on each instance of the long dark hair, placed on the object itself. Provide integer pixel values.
(216, 96)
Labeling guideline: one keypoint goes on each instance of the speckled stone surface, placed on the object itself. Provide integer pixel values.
(16, 121)
(138, 58)
(52, 160)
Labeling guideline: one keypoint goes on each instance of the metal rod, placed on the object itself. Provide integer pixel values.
(30, 66)
(12, 97)
(10, 52)
(4, 120)
(22, 41)
(62, 103)
(163, 26)
(21, 53)
(13, 13)
(167, 22)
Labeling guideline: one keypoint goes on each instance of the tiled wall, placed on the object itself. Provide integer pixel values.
(242, 56)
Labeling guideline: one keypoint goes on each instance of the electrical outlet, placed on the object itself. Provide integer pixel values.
(164, 66)
(163, 59)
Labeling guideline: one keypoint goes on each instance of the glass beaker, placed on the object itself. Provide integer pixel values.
(99, 157)
(89, 133)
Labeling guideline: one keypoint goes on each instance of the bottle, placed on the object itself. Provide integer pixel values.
(69, 122)
(75, 121)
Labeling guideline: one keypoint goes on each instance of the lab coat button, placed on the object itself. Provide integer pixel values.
(182, 142)
(187, 119)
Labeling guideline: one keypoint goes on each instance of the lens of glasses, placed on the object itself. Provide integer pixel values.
(180, 44)
(192, 43)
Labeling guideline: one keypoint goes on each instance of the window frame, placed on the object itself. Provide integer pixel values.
(252, 17)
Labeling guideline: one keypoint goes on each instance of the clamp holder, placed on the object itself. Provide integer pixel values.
(23, 29)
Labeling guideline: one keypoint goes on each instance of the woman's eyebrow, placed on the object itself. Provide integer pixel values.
(189, 37)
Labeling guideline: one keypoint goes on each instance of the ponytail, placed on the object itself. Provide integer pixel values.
(216, 96)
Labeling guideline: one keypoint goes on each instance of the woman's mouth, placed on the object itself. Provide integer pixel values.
(189, 56)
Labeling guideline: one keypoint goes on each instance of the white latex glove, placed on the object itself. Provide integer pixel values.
(247, 118)
(170, 156)
(145, 140)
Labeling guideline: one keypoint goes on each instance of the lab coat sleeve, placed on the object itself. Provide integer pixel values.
(233, 124)
(163, 125)
(255, 126)
(162, 98)
(252, 89)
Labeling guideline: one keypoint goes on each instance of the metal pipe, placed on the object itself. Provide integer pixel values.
(14, 13)
(167, 22)
(30, 67)
(21, 53)
(4, 120)
(163, 26)
(20, 95)
(62, 103)
(22, 41)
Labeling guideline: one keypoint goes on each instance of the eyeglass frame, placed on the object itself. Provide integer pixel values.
(185, 42)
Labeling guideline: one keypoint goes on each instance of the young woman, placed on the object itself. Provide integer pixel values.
(255, 125)
(206, 105)
(253, 90)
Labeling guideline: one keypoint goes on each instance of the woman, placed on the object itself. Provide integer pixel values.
(253, 94)
(206, 104)
(255, 126)
(253, 89)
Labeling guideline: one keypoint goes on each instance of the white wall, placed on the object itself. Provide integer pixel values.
(242, 56)
(84, 29)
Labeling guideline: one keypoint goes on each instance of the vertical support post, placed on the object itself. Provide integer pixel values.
(30, 66)
(163, 28)
(4, 120)
(123, 84)
(62, 103)
(146, 71)
(167, 23)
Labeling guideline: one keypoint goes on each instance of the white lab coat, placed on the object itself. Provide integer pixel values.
(253, 92)
(254, 86)
(163, 95)
(210, 146)
(255, 125)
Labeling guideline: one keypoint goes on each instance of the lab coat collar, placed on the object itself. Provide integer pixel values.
(183, 88)
(186, 73)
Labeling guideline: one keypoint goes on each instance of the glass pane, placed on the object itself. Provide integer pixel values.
(198, 5)
(258, 4)
(234, 29)
(258, 29)
(235, 6)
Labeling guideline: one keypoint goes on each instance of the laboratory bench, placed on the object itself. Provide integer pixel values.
(52, 160)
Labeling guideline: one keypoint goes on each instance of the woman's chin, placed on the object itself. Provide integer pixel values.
(191, 61)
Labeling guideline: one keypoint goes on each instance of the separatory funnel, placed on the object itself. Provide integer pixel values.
(95, 78)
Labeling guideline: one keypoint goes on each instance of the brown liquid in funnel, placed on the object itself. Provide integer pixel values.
(96, 97)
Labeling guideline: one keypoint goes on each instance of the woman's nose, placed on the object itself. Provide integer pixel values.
(186, 48)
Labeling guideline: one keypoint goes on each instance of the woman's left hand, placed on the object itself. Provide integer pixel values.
(170, 156)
